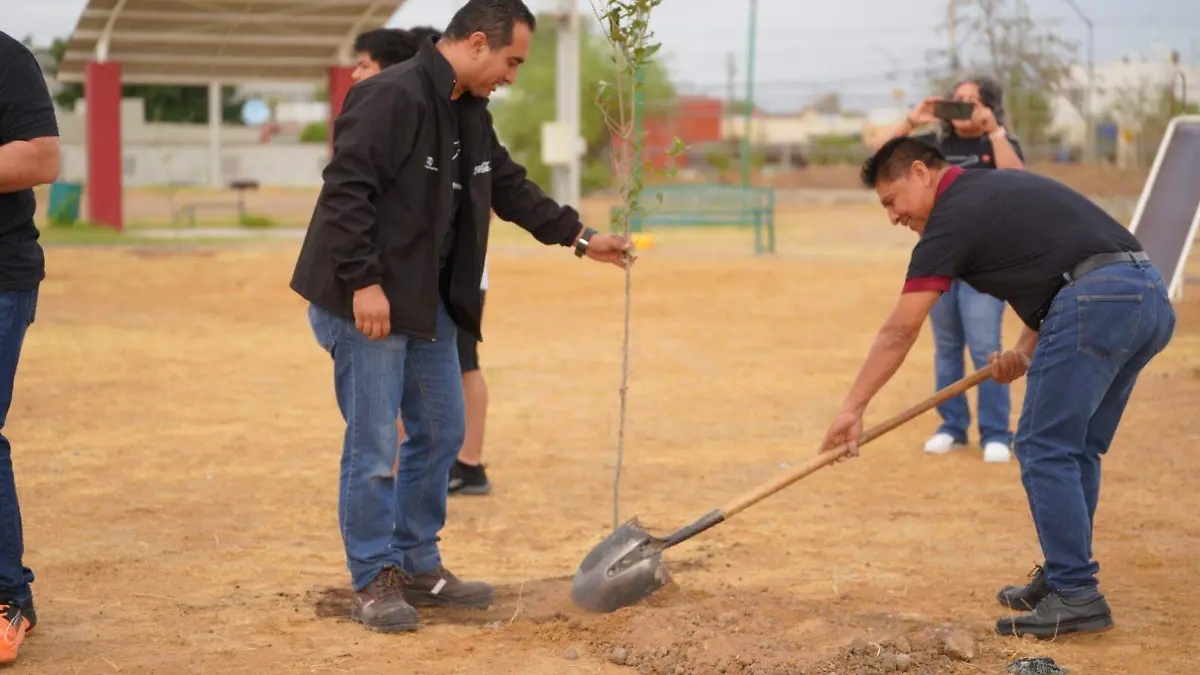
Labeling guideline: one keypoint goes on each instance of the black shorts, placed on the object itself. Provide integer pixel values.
(468, 346)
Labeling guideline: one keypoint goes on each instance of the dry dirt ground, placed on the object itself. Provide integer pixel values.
(176, 444)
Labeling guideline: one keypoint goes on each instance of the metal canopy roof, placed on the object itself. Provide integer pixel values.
(231, 41)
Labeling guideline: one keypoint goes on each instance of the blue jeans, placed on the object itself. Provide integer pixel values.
(17, 309)
(386, 520)
(1098, 334)
(965, 318)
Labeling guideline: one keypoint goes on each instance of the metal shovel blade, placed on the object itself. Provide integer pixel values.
(621, 570)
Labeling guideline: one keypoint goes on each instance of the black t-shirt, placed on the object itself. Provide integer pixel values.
(26, 113)
(1011, 234)
(456, 185)
(970, 153)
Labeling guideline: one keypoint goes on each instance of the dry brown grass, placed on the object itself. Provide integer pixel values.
(176, 445)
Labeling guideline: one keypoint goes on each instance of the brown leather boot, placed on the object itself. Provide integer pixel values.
(381, 606)
(441, 588)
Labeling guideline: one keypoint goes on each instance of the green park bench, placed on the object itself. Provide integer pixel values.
(709, 204)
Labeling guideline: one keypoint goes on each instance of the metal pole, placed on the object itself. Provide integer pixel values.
(749, 104)
(1089, 146)
(214, 134)
(1091, 93)
(567, 179)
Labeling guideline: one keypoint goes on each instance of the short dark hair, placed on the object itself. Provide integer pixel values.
(895, 157)
(493, 18)
(991, 95)
(389, 46)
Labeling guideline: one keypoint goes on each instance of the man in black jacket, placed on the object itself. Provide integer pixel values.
(391, 266)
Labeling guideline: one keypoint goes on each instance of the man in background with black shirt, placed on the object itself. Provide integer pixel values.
(29, 156)
(1095, 311)
(382, 48)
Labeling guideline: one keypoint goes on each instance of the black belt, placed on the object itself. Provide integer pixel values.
(1090, 265)
(1103, 260)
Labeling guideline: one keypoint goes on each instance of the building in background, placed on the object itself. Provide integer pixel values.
(1132, 104)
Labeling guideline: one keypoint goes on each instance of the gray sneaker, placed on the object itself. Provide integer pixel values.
(381, 606)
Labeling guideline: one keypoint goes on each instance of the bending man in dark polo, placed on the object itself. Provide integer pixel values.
(1095, 311)
(392, 264)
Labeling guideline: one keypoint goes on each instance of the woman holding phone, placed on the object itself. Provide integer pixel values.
(971, 136)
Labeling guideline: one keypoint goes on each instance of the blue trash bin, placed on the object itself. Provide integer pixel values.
(64, 203)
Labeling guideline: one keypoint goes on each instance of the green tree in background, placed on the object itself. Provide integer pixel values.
(530, 103)
(164, 103)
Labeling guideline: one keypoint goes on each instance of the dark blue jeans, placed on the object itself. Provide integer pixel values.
(17, 310)
(964, 318)
(386, 520)
(1100, 332)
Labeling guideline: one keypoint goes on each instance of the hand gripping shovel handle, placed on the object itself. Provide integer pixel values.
(825, 458)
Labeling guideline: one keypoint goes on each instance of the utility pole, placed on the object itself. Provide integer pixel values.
(749, 103)
(730, 80)
(1089, 146)
(952, 29)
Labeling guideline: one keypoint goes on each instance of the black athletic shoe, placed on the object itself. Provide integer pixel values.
(30, 616)
(466, 479)
(1025, 598)
(1058, 615)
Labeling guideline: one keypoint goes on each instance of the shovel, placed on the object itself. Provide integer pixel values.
(628, 566)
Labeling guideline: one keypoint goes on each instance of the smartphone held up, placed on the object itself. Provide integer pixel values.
(953, 110)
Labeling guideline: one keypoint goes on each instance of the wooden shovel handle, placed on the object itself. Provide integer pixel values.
(830, 456)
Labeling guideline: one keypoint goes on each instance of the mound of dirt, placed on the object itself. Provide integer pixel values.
(730, 632)
(725, 629)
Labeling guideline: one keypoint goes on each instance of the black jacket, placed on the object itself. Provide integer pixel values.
(386, 200)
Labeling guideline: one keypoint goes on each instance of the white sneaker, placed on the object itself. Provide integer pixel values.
(996, 452)
(941, 443)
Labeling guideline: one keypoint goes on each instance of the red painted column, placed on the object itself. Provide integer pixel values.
(102, 89)
(340, 81)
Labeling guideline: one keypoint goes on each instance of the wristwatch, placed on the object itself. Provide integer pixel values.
(582, 245)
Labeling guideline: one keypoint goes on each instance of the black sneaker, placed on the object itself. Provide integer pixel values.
(467, 479)
(30, 615)
(1025, 598)
(1058, 615)
(442, 589)
(381, 606)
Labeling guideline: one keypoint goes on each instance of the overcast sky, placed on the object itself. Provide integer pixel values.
(805, 47)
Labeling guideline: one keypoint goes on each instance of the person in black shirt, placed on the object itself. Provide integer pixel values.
(391, 266)
(963, 316)
(378, 49)
(29, 156)
(1095, 310)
